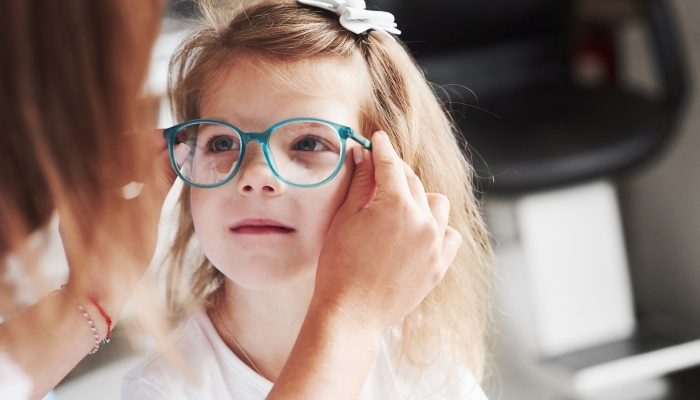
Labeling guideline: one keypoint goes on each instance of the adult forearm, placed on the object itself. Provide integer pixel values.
(330, 360)
(48, 339)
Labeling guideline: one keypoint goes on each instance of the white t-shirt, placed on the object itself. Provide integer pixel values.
(210, 370)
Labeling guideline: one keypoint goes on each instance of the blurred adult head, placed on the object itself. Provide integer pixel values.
(70, 75)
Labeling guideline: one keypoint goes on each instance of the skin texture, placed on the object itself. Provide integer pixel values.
(359, 294)
(270, 277)
(406, 248)
(295, 329)
(49, 338)
(246, 99)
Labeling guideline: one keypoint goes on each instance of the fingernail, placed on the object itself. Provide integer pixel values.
(359, 155)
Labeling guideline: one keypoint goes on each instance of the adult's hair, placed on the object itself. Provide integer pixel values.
(285, 40)
(70, 75)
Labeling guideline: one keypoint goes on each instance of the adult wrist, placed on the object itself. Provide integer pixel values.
(97, 323)
(334, 319)
(333, 352)
(105, 303)
(99, 298)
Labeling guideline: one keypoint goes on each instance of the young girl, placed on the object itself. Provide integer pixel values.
(278, 97)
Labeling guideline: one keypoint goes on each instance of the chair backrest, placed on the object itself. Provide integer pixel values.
(442, 25)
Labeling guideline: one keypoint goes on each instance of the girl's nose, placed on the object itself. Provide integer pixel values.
(255, 176)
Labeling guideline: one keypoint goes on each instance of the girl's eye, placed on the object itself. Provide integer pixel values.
(222, 143)
(309, 143)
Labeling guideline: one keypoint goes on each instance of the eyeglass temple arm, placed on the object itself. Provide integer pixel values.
(167, 132)
(361, 140)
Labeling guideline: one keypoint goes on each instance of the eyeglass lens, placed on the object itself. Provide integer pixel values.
(302, 153)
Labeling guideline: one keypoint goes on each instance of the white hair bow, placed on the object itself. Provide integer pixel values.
(355, 18)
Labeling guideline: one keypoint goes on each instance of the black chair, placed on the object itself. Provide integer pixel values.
(534, 128)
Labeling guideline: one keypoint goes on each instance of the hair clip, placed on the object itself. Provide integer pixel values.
(355, 18)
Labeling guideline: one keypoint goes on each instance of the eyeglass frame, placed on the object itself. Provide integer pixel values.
(344, 133)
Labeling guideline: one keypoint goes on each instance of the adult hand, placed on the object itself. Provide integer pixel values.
(109, 280)
(387, 247)
(108, 271)
(389, 244)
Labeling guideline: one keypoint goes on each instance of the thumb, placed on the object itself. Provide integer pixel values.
(362, 186)
(164, 175)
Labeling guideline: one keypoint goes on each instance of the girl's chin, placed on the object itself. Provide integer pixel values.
(264, 278)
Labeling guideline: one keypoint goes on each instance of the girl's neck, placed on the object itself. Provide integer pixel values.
(265, 323)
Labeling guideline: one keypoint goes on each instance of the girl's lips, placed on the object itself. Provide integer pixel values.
(253, 226)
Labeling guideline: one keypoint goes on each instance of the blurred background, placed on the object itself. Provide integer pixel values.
(583, 124)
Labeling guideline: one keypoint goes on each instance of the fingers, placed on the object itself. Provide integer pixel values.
(415, 186)
(149, 144)
(362, 185)
(451, 240)
(450, 246)
(156, 136)
(164, 167)
(389, 168)
(440, 208)
(153, 139)
(163, 175)
(180, 152)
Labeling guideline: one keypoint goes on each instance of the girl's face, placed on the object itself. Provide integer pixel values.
(256, 230)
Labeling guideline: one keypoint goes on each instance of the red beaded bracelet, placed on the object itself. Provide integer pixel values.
(92, 327)
(104, 315)
(91, 324)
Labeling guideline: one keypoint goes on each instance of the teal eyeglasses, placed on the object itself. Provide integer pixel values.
(301, 152)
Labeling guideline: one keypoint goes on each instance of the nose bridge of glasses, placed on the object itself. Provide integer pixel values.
(256, 154)
(261, 137)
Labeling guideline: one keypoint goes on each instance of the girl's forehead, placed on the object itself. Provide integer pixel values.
(266, 92)
(328, 76)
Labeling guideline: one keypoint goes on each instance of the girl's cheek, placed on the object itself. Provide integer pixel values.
(201, 210)
(195, 203)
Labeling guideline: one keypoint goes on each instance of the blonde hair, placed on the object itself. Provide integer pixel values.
(452, 322)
